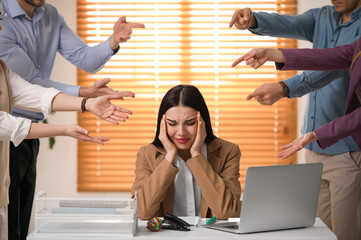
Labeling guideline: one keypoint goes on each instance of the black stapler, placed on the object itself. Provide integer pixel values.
(172, 222)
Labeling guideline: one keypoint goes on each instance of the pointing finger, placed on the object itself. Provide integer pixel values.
(136, 25)
(235, 63)
(234, 18)
(252, 95)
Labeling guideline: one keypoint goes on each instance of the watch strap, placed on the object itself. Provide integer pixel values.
(285, 89)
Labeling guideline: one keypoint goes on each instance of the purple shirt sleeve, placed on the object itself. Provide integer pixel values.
(339, 128)
(318, 59)
(326, 59)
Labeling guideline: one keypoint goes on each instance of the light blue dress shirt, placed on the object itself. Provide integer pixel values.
(322, 26)
(29, 46)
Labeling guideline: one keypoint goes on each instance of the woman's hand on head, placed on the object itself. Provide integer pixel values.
(197, 145)
(169, 147)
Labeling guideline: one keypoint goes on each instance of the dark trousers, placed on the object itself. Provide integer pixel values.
(22, 187)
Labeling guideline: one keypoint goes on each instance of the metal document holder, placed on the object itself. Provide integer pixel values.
(85, 217)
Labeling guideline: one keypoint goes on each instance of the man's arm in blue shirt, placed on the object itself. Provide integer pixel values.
(309, 81)
(19, 62)
(76, 51)
(92, 59)
(301, 27)
(88, 58)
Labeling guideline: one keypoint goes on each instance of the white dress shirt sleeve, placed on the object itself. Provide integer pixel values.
(13, 129)
(25, 96)
(31, 97)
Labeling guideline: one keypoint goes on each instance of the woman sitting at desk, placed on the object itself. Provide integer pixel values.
(187, 170)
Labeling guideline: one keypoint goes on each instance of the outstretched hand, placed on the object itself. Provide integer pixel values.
(123, 30)
(100, 88)
(82, 134)
(104, 109)
(297, 145)
(196, 148)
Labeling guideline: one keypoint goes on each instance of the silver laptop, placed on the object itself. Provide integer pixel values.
(277, 197)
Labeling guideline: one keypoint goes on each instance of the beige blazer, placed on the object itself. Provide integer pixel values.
(217, 177)
(5, 105)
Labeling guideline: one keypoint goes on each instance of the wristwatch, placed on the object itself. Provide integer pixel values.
(285, 89)
(83, 102)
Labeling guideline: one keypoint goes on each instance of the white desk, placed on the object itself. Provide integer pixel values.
(318, 231)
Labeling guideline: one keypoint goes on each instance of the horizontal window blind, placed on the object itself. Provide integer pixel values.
(184, 42)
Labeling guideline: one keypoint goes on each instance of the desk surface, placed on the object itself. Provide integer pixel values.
(316, 232)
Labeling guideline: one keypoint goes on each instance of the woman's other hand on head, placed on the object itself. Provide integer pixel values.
(197, 145)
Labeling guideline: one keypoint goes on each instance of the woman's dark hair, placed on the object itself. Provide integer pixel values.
(186, 95)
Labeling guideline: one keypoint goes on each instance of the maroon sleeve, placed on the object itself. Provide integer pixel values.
(339, 128)
(319, 59)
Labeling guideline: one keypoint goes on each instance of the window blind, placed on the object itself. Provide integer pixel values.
(184, 42)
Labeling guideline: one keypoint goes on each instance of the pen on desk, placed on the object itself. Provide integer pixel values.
(212, 220)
